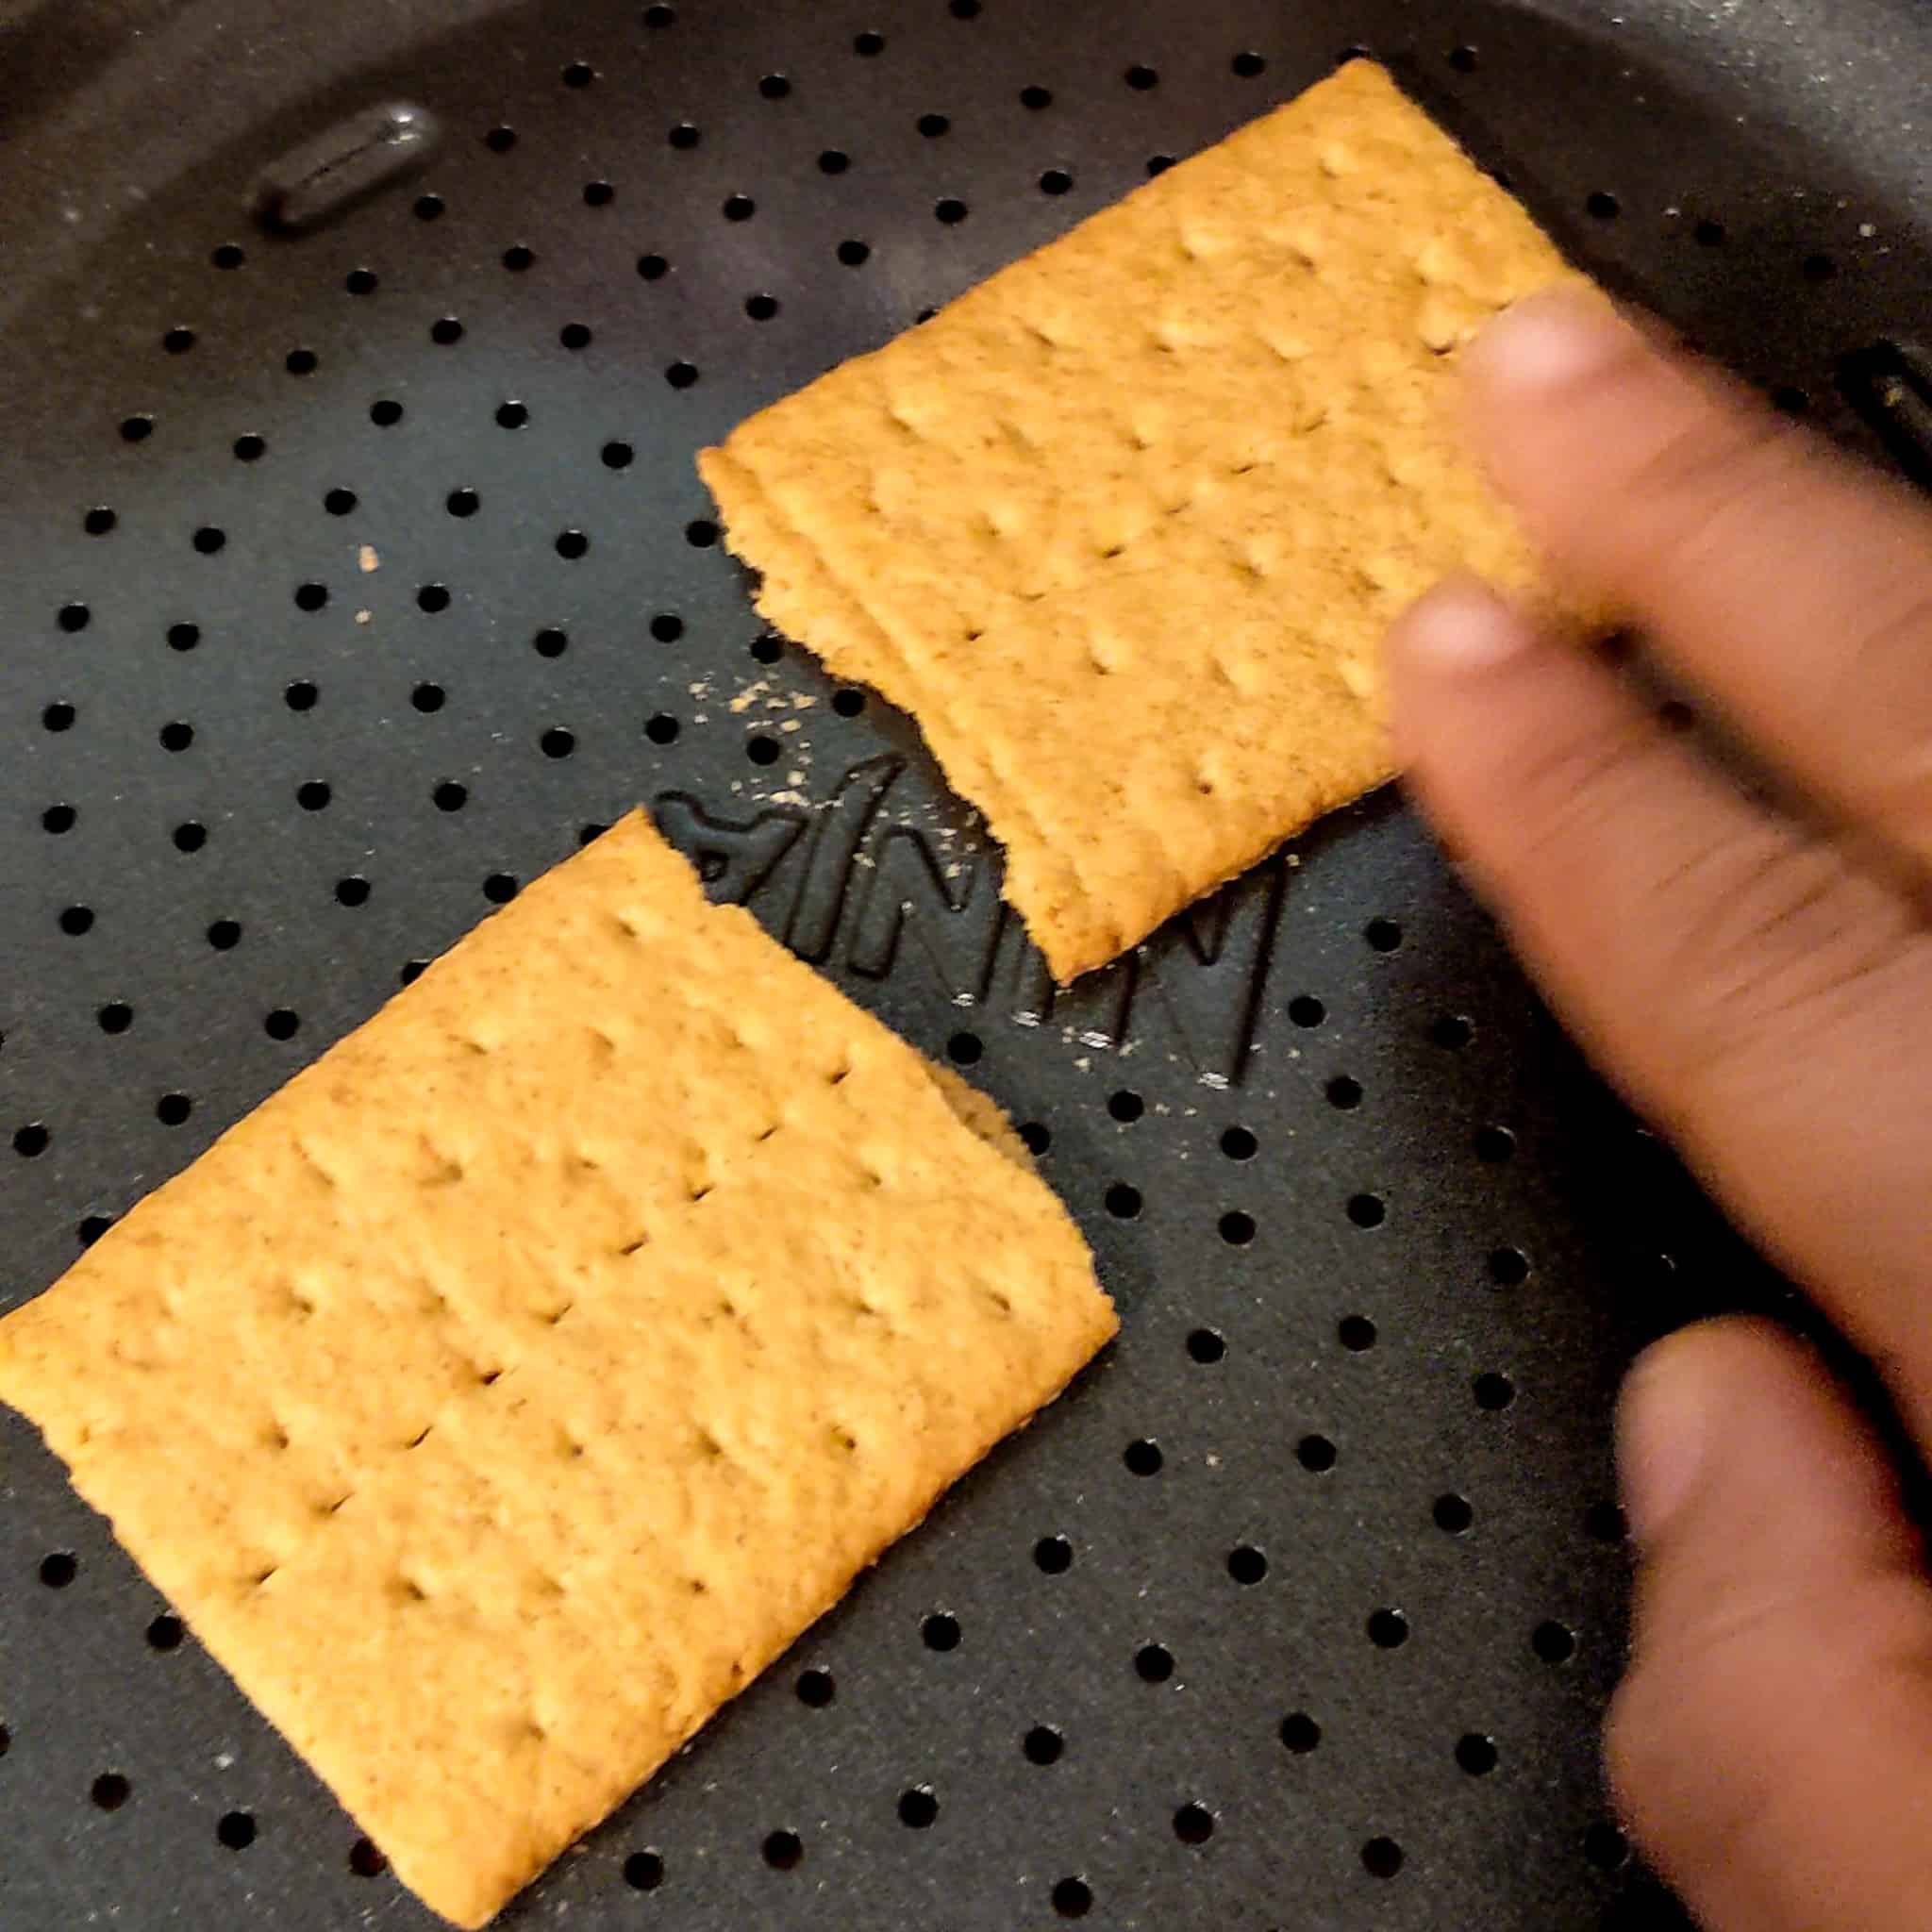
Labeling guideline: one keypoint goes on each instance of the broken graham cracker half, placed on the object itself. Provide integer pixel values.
(502, 1395)
(1122, 526)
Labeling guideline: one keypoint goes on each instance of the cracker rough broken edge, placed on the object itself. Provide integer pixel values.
(1122, 527)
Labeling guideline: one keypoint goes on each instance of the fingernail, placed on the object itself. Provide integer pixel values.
(1461, 626)
(1662, 1433)
(1548, 340)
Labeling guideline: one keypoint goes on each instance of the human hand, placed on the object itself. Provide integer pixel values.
(1759, 984)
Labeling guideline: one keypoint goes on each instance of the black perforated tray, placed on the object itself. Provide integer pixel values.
(1301, 1610)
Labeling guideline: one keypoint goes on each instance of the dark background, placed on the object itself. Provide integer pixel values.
(1381, 1244)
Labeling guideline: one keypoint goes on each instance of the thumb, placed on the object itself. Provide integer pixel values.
(1770, 1747)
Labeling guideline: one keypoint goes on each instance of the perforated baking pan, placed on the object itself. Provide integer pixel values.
(353, 567)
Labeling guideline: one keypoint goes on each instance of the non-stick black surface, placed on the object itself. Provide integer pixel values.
(1301, 1610)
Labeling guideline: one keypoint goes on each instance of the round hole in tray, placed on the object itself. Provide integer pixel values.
(1508, 1267)
(1153, 1663)
(1193, 1825)
(1043, 1745)
(1605, 1847)
(1381, 1858)
(1604, 1521)
(1554, 1642)
(1246, 1564)
(1072, 1898)
(1204, 1346)
(643, 1871)
(1387, 1629)
(1493, 1390)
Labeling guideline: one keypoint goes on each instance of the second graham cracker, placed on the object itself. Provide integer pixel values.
(1122, 526)
(508, 1390)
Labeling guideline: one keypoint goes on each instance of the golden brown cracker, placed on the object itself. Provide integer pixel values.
(1122, 526)
(506, 1392)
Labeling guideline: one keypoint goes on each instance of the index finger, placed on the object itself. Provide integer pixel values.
(1786, 581)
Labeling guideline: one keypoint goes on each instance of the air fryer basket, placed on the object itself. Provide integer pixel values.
(352, 571)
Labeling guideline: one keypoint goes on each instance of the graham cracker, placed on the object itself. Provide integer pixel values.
(508, 1390)
(1122, 526)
